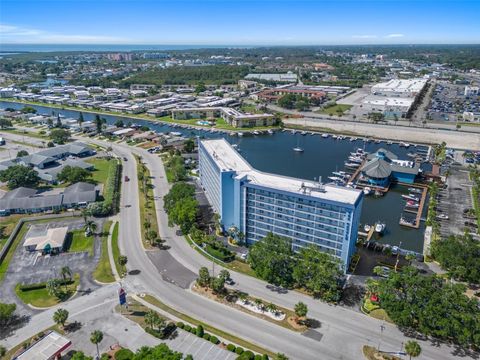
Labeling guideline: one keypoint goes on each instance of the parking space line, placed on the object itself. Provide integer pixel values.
(191, 344)
(205, 354)
(199, 348)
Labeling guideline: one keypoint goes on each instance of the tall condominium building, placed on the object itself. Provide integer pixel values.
(257, 203)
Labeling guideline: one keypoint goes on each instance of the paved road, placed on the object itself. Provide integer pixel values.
(343, 329)
(340, 336)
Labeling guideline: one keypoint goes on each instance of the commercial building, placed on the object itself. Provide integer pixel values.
(233, 117)
(287, 78)
(383, 167)
(471, 90)
(49, 347)
(45, 240)
(311, 92)
(400, 88)
(388, 106)
(257, 203)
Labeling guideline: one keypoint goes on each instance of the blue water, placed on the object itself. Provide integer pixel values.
(9, 48)
(273, 153)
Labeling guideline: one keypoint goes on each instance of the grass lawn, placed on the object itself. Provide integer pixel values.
(32, 133)
(335, 109)
(147, 205)
(371, 353)
(77, 241)
(116, 251)
(100, 174)
(208, 328)
(41, 297)
(103, 271)
(7, 224)
(381, 314)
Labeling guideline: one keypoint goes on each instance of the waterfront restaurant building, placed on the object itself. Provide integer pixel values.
(257, 203)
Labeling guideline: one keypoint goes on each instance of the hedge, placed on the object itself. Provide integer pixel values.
(42, 285)
(187, 327)
(124, 354)
(231, 347)
(200, 332)
(247, 355)
(214, 340)
(111, 193)
(239, 351)
(206, 337)
(180, 325)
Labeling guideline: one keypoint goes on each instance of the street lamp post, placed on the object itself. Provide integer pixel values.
(382, 327)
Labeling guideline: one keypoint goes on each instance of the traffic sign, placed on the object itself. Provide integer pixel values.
(122, 296)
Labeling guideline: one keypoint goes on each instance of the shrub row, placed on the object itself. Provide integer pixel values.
(243, 355)
(111, 193)
(43, 285)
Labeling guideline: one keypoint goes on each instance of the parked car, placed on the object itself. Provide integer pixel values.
(127, 178)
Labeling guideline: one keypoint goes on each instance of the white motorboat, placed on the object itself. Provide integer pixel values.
(256, 132)
(335, 178)
(415, 190)
(410, 197)
(389, 142)
(298, 149)
(380, 228)
(367, 190)
(325, 135)
(351, 164)
(339, 173)
(270, 131)
(367, 228)
(240, 134)
(303, 133)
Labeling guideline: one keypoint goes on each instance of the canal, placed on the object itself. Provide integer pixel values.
(321, 156)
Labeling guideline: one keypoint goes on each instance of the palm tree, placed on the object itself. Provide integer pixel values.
(60, 317)
(151, 318)
(301, 310)
(66, 273)
(52, 287)
(258, 303)
(272, 308)
(96, 338)
(90, 227)
(85, 213)
(412, 348)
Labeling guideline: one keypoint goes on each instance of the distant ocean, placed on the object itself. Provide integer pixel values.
(15, 48)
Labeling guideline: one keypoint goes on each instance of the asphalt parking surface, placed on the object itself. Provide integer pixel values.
(170, 269)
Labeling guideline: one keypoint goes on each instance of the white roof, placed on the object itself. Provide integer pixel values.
(382, 101)
(46, 348)
(227, 158)
(399, 86)
(55, 237)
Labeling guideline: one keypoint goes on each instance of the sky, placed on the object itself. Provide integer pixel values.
(239, 22)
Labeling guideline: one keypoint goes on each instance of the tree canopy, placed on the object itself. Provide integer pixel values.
(181, 206)
(60, 136)
(431, 306)
(459, 255)
(159, 352)
(73, 174)
(6, 313)
(18, 175)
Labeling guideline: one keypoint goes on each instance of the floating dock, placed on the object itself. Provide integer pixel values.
(418, 212)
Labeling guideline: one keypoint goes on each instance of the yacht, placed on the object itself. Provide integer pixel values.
(339, 173)
(410, 197)
(298, 149)
(351, 164)
(380, 227)
(324, 135)
(415, 190)
(335, 178)
(367, 228)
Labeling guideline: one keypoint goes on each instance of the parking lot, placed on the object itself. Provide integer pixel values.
(453, 200)
(119, 330)
(30, 267)
(448, 101)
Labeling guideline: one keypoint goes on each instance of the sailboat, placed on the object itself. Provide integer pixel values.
(298, 148)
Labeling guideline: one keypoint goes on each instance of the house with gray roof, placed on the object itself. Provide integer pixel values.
(27, 201)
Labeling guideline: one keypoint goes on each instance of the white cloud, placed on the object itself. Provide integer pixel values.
(395, 35)
(364, 36)
(16, 34)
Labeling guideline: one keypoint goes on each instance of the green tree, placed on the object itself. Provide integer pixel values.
(200, 331)
(200, 88)
(119, 123)
(79, 355)
(431, 306)
(22, 153)
(281, 356)
(60, 317)
(90, 227)
(301, 310)
(5, 123)
(122, 260)
(73, 174)
(218, 285)
(272, 259)
(7, 312)
(412, 348)
(28, 110)
(3, 350)
(203, 277)
(287, 101)
(80, 119)
(459, 255)
(319, 273)
(152, 319)
(66, 274)
(96, 338)
(189, 145)
(159, 352)
(224, 274)
(60, 136)
(18, 175)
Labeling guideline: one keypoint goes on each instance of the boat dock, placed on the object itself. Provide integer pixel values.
(368, 235)
(418, 212)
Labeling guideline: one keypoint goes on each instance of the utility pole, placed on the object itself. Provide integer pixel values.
(382, 327)
(213, 269)
(398, 255)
